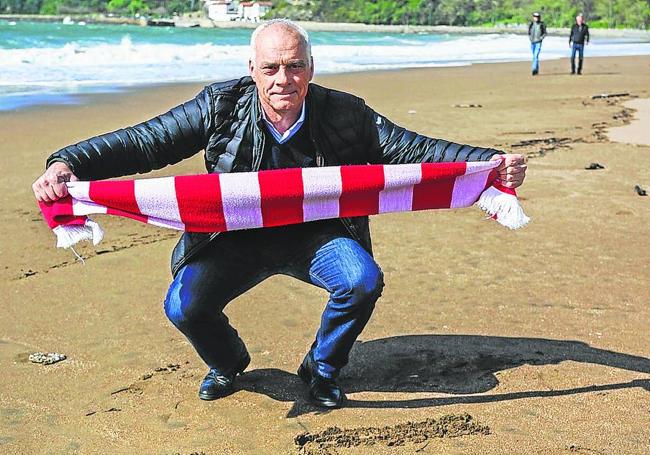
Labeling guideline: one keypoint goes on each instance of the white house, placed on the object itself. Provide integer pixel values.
(253, 11)
(233, 10)
(222, 10)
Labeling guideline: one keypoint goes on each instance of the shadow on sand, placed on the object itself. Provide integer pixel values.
(568, 73)
(454, 364)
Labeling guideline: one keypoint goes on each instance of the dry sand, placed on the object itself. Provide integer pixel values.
(540, 335)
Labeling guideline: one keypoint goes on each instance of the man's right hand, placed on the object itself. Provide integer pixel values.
(51, 185)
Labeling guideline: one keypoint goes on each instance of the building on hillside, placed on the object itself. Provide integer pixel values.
(233, 10)
(222, 10)
(254, 11)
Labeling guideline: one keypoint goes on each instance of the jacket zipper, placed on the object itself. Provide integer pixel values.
(257, 155)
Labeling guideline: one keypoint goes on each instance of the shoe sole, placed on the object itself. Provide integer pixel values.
(240, 369)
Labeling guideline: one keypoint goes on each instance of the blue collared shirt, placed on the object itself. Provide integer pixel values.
(293, 129)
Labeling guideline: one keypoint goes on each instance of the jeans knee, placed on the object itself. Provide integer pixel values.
(179, 309)
(173, 309)
(361, 288)
(376, 285)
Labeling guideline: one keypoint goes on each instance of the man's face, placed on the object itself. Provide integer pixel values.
(281, 69)
(536, 18)
(579, 20)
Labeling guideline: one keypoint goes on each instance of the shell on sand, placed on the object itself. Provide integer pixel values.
(46, 358)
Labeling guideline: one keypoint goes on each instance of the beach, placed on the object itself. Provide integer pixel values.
(540, 335)
(48, 62)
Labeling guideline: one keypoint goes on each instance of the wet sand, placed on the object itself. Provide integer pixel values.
(638, 130)
(540, 335)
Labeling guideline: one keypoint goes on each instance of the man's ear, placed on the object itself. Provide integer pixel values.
(251, 68)
(311, 68)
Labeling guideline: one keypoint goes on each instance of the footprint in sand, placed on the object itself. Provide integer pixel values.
(447, 426)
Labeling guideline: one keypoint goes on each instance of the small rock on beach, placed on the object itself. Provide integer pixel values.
(46, 358)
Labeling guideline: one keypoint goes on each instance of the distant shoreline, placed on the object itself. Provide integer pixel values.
(193, 20)
(88, 18)
(39, 101)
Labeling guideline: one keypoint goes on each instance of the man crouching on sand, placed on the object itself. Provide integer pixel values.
(273, 119)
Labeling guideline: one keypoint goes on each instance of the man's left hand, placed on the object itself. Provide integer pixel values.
(512, 170)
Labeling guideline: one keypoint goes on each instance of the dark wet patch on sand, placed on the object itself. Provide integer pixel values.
(534, 148)
(448, 426)
(541, 146)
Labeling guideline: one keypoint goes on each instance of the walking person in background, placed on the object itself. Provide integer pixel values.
(536, 33)
(578, 37)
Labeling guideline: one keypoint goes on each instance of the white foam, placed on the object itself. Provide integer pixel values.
(74, 66)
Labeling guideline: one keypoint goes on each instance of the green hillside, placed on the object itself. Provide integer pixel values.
(556, 13)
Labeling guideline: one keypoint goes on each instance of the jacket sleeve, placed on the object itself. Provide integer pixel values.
(392, 144)
(543, 31)
(156, 143)
(586, 33)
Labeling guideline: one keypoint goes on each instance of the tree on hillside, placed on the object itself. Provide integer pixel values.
(556, 13)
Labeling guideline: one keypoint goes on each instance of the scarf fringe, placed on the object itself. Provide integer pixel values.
(503, 207)
(68, 236)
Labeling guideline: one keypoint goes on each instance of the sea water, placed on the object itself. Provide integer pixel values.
(47, 63)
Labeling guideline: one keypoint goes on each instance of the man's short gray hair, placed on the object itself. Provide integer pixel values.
(286, 23)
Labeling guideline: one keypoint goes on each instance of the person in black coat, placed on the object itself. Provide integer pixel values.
(578, 37)
(274, 118)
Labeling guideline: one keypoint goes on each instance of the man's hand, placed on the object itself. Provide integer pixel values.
(512, 170)
(51, 185)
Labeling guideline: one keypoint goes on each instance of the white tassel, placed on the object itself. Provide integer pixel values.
(504, 207)
(68, 236)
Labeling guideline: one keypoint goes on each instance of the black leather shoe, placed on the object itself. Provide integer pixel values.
(217, 384)
(323, 392)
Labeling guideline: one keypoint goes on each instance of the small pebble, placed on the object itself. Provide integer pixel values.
(46, 358)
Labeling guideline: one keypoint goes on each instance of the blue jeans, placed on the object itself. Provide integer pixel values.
(580, 49)
(536, 49)
(320, 253)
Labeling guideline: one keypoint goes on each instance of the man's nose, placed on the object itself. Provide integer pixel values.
(282, 76)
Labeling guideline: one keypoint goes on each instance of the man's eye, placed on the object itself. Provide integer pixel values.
(296, 67)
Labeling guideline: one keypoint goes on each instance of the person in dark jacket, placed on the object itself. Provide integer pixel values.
(536, 34)
(578, 38)
(273, 119)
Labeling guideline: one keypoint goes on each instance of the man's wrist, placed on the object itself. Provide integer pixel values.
(51, 161)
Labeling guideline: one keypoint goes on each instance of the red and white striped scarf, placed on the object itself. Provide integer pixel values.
(226, 202)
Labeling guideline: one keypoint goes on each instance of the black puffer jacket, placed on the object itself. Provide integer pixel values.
(579, 34)
(225, 121)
